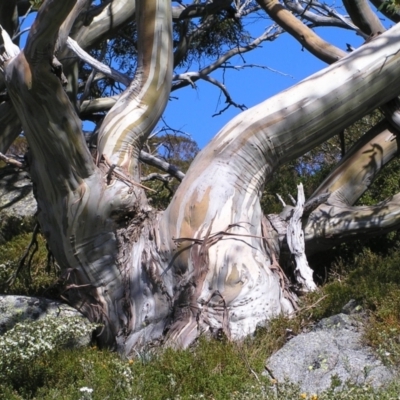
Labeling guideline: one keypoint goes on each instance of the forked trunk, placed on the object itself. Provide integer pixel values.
(209, 263)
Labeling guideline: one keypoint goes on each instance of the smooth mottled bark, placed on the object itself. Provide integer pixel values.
(209, 263)
(362, 15)
(224, 197)
(313, 43)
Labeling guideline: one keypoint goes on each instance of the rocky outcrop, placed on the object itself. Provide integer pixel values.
(332, 353)
(15, 309)
(17, 203)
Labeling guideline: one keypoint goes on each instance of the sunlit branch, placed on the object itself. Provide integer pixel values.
(357, 170)
(12, 161)
(132, 118)
(99, 66)
(331, 224)
(97, 105)
(111, 17)
(161, 164)
(312, 42)
(65, 29)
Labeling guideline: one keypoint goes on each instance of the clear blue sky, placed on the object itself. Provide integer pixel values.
(192, 111)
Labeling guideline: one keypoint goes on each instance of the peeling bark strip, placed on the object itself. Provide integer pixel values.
(136, 112)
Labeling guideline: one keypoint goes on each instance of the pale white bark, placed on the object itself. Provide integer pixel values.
(295, 241)
(161, 164)
(113, 16)
(98, 105)
(209, 263)
(222, 188)
(132, 118)
(105, 69)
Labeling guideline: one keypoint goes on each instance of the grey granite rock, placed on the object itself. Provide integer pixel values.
(14, 309)
(17, 203)
(333, 349)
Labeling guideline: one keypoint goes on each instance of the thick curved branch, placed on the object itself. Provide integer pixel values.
(50, 123)
(103, 104)
(77, 13)
(44, 31)
(361, 14)
(224, 182)
(111, 18)
(331, 224)
(312, 42)
(356, 171)
(130, 121)
(105, 69)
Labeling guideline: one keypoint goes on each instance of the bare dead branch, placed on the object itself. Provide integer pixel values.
(269, 35)
(106, 70)
(161, 164)
(155, 176)
(12, 161)
(228, 98)
(318, 19)
(295, 240)
(240, 67)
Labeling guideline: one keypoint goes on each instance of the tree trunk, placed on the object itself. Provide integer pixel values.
(208, 264)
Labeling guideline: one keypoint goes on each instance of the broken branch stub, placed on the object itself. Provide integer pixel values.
(295, 240)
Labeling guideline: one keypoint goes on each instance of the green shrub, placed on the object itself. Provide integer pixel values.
(39, 279)
(23, 347)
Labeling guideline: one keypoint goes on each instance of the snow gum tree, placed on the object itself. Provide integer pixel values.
(210, 262)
